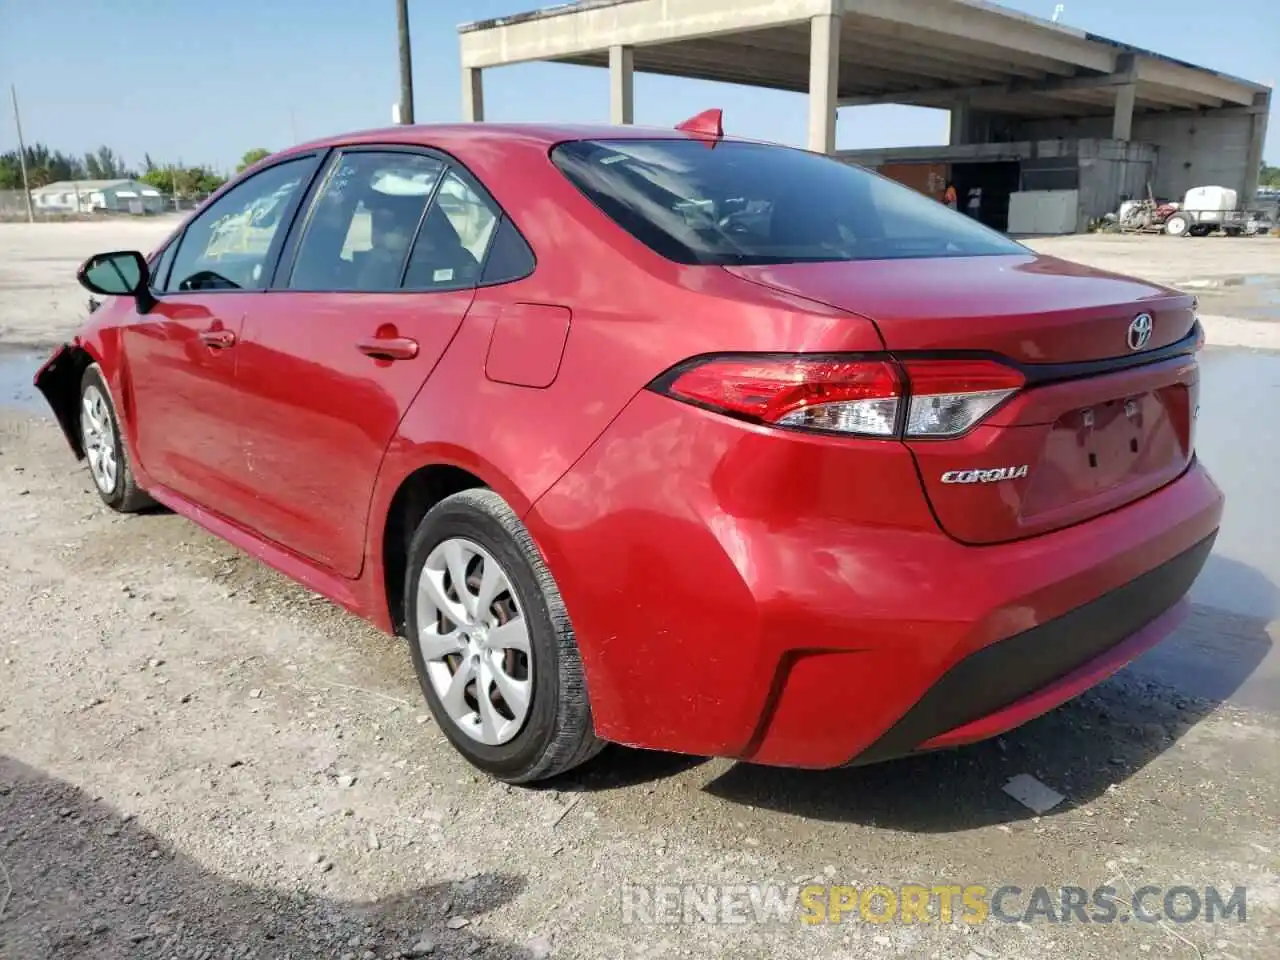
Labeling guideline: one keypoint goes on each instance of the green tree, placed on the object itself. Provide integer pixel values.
(184, 181)
(44, 166)
(251, 157)
(159, 177)
(1269, 177)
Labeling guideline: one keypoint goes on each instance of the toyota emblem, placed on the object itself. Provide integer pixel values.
(1140, 331)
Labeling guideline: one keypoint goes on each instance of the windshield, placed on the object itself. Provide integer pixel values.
(730, 203)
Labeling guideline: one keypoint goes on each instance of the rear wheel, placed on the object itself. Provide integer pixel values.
(1200, 230)
(492, 645)
(103, 443)
(1178, 225)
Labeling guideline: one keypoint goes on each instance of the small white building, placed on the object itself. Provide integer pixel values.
(86, 196)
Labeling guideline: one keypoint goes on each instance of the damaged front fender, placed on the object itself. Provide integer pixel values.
(58, 380)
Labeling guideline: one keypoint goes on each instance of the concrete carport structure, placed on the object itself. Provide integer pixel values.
(1011, 81)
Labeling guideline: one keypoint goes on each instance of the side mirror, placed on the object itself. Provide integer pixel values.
(121, 274)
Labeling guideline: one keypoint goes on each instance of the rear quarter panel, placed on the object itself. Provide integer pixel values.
(634, 315)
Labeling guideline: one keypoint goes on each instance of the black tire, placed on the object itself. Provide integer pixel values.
(125, 496)
(558, 734)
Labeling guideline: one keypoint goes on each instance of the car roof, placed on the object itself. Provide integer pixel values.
(447, 136)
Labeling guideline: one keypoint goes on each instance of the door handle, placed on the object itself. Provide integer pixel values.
(388, 348)
(217, 338)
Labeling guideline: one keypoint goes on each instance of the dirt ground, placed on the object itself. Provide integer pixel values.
(200, 759)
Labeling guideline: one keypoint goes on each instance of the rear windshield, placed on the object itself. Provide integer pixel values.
(732, 203)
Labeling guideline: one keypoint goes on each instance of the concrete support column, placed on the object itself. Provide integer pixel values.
(960, 113)
(1257, 140)
(824, 77)
(622, 91)
(1122, 122)
(472, 94)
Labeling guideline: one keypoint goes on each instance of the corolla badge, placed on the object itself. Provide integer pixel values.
(986, 476)
(1140, 331)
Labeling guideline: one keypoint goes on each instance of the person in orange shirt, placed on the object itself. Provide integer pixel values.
(950, 198)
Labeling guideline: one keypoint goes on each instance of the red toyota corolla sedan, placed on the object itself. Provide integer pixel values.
(660, 437)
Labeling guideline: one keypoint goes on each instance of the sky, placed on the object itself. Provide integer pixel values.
(202, 83)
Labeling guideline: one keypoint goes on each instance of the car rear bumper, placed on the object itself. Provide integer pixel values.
(791, 601)
(1006, 683)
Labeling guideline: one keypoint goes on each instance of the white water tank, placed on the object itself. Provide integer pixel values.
(1217, 199)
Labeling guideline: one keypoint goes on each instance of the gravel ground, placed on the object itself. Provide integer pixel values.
(199, 758)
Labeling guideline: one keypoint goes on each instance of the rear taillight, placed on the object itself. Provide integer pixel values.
(852, 395)
(844, 395)
(950, 396)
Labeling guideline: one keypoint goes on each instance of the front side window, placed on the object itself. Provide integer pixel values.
(732, 203)
(364, 221)
(227, 245)
(160, 269)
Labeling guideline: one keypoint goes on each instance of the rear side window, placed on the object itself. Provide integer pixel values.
(454, 238)
(509, 256)
(363, 222)
(734, 203)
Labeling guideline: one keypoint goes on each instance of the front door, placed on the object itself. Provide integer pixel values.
(382, 278)
(182, 354)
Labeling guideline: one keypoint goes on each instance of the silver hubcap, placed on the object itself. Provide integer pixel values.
(99, 439)
(475, 641)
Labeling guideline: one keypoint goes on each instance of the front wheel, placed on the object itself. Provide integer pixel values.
(492, 645)
(103, 443)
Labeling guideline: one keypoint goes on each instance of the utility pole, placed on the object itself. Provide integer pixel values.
(22, 156)
(406, 63)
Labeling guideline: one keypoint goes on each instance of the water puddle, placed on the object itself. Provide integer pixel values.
(1238, 440)
(16, 370)
(1247, 280)
(1251, 296)
(1265, 285)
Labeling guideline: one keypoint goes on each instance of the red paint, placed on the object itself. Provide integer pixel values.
(317, 413)
(527, 344)
(708, 124)
(185, 398)
(1071, 685)
(736, 588)
(1032, 309)
(1045, 430)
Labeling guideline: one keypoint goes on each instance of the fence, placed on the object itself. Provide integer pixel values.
(13, 206)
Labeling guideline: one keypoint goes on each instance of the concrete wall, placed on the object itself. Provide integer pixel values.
(1192, 151)
(1108, 170)
(1111, 171)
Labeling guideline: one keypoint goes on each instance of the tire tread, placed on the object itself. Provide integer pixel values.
(573, 741)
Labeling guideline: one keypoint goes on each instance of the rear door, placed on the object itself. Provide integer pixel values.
(375, 281)
(182, 354)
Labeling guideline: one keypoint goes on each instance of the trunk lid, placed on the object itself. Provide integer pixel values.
(1099, 423)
